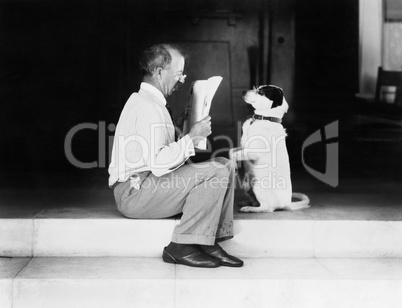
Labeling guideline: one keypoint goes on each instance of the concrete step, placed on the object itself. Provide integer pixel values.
(149, 282)
(315, 232)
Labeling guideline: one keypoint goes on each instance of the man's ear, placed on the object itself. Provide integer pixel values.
(158, 72)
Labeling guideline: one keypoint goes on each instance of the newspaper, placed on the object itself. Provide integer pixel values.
(199, 104)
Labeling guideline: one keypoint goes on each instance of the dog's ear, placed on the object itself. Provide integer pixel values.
(278, 98)
(274, 93)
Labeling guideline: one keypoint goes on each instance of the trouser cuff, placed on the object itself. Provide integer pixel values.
(198, 239)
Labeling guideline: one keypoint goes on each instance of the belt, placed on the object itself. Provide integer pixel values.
(115, 185)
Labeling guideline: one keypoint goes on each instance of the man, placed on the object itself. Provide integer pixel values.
(149, 174)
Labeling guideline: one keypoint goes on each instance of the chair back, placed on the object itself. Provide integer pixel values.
(386, 78)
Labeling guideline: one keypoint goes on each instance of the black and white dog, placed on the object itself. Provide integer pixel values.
(263, 149)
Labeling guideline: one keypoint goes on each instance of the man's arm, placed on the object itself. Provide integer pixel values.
(162, 152)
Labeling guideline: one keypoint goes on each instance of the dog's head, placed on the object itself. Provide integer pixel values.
(264, 97)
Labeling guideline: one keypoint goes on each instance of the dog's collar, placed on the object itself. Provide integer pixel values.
(261, 117)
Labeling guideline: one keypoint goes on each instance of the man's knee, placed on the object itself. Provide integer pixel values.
(222, 162)
(216, 168)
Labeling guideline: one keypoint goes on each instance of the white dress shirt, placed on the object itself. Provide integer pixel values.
(145, 139)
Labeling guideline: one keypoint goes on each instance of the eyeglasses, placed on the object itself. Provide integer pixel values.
(182, 78)
(180, 75)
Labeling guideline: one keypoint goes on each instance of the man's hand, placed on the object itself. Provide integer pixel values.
(200, 130)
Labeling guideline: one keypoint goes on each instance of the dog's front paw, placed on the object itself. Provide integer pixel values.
(234, 158)
(234, 154)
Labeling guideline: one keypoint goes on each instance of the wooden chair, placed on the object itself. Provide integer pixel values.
(387, 78)
(381, 120)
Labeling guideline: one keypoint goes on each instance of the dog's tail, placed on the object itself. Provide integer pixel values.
(302, 204)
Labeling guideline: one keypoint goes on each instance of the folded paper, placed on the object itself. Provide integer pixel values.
(199, 103)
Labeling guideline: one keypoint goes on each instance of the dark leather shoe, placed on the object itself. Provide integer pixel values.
(224, 258)
(194, 259)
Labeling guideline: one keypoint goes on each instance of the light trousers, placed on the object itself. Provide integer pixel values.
(203, 192)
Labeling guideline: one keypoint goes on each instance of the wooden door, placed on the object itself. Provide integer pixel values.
(207, 59)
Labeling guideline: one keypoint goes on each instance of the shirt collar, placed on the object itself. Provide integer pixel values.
(154, 91)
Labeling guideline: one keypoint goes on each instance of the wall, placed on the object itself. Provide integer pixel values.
(64, 63)
(69, 62)
(370, 44)
(326, 76)
(326, 55)
(392, 58)
(380, 42)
